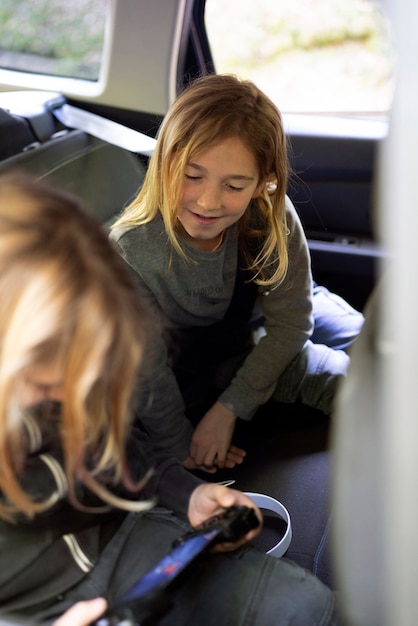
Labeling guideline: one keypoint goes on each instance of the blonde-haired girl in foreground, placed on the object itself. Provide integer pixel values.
(75, 492)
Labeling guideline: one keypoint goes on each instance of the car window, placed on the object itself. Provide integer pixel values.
(53, 37)
(310, 55)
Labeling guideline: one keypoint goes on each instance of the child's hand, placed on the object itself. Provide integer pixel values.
(234, 456)
(210, 499)
(212, 437)
(191, 465)
(82, 613)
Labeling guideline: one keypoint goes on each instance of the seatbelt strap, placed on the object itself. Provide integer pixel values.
(102, 128)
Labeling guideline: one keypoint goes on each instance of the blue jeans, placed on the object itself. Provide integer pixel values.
(245, 587)
(337, 324)
(313, 377)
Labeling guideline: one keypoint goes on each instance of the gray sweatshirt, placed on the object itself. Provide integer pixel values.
(197, 293)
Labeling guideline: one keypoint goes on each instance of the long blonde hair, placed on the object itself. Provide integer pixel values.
(65, 295)
(210, 110)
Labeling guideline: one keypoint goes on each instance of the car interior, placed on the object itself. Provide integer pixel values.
(290, 458)
(333, 186)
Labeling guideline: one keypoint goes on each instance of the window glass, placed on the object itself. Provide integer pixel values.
(307, 55)
(55, 37)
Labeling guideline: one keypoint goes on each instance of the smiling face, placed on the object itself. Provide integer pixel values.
(219, 185)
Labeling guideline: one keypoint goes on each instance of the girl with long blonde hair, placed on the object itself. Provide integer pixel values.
(221, 256)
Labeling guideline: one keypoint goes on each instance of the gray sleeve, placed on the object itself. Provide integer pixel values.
(287, 310)
(158, 404)
(169, 482)
(159, 407)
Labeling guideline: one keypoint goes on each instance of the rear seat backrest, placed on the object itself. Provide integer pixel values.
(104, 176)
(15, 134)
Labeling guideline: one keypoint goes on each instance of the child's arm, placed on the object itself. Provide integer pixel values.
(234, 456)
(159, 410)
(288, 324)
(212, 437)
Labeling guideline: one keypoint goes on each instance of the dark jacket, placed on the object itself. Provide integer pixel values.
(44, 556)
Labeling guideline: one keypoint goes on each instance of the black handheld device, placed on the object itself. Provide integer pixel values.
(141, 605)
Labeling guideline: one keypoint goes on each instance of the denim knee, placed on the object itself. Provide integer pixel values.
(313, 376)
(336, 323)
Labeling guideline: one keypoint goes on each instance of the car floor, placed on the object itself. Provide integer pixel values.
(288, 459)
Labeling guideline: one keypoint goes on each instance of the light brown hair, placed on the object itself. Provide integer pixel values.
(66, 296)
(211, 109)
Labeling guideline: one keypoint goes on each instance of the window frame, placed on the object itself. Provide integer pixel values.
(120, 79)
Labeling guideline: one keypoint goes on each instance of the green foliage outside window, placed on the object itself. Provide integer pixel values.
(59, 37)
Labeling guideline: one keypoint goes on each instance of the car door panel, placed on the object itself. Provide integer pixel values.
(332, 187)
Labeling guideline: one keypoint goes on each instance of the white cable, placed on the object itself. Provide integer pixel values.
(271, 504)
